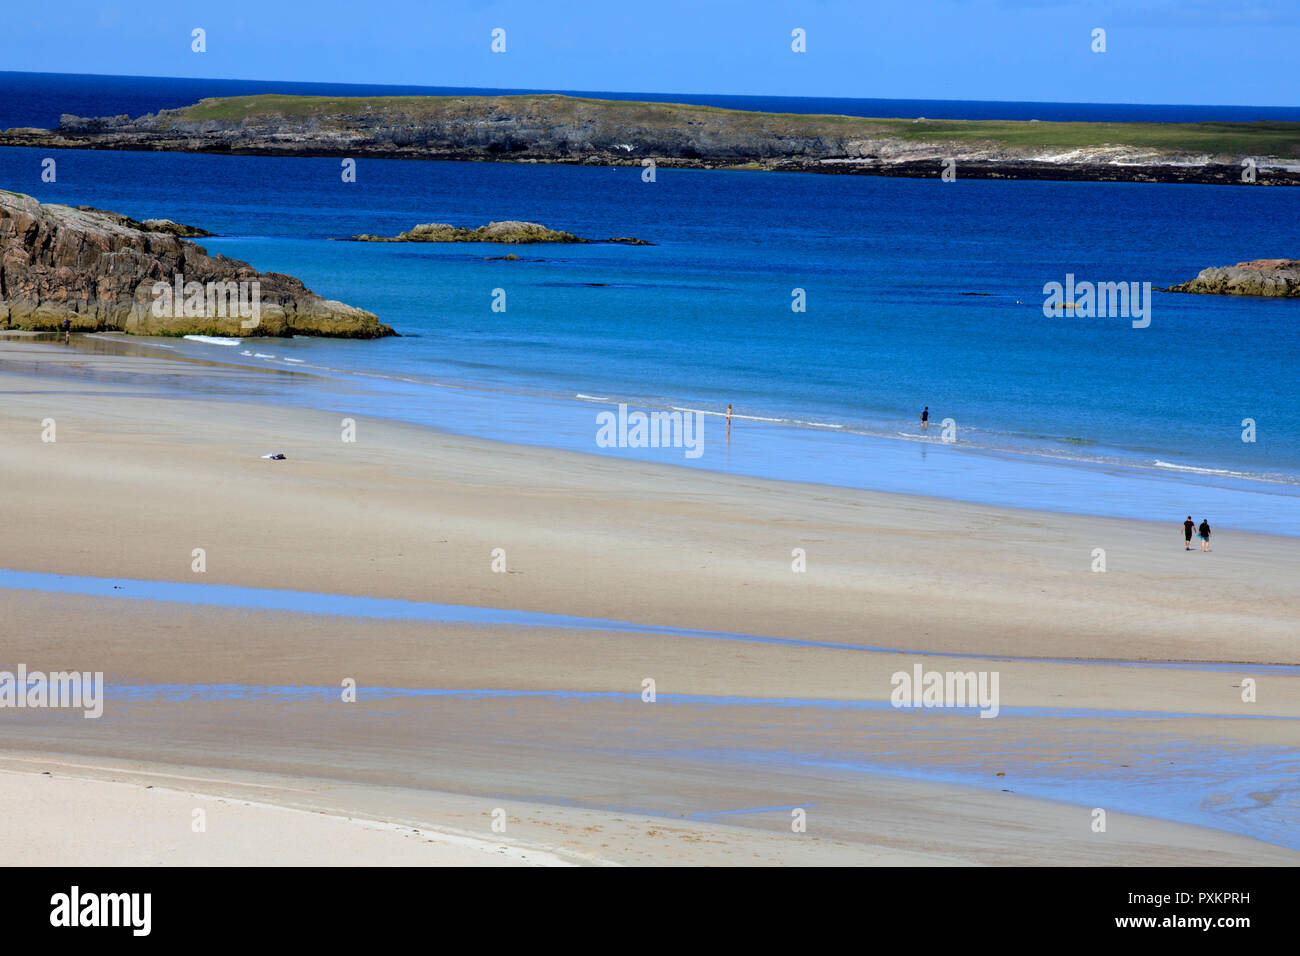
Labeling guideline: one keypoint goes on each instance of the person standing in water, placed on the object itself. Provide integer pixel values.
(925, 418)
(1204, 532)
(67, 331)
(728, 424)
(1188, 527)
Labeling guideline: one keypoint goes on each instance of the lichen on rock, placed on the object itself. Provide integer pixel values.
(1276, 278)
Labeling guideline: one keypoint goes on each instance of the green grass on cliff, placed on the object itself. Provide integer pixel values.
(1231, 139)
(1261, 138)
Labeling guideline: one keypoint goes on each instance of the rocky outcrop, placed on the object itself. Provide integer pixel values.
(105, 271)
(511, 232)
(151, 225)
(544, 128)
(175, 228)
(1266, 277)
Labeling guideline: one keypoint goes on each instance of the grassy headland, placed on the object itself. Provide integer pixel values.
(551, 128)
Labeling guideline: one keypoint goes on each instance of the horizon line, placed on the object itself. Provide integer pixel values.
(491, 90)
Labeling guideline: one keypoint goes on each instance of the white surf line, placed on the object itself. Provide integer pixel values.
(213, 340)
(755, 418)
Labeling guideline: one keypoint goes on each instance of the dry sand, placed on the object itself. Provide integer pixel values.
(134, 483)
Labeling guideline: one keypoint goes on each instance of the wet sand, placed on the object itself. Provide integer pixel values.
(742, 733)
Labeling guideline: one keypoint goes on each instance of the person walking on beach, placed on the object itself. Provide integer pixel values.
(925, 418)
(1204, 532)
(1188, 527)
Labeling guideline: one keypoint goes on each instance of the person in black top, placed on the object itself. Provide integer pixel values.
(1204, 532)
(67, 331)
(925, 417)
(1188, 527)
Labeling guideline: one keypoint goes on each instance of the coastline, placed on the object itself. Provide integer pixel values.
(553, 128)
(138, 478)
(981, 467)
(1273, 173)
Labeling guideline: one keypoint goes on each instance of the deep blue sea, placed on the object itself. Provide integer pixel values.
(918, 293)
(38, 99)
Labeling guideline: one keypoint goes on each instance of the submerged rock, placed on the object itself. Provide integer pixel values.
(100, 270)
(1267, 277)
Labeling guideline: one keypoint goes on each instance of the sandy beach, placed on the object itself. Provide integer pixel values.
(1120, 691)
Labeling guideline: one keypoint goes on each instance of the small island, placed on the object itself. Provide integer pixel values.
(512, 232)
(1276, 278)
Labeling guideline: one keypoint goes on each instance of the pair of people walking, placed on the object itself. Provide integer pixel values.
(1203, 532)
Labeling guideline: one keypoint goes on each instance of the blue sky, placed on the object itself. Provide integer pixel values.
(1229, 52)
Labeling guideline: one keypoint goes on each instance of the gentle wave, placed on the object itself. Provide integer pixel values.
(1064, 449)
(213, 340)
(1224, 472)
(736, 416)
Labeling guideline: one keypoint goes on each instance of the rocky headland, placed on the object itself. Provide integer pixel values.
(102, 271)
(547, 128)
(1264, 277)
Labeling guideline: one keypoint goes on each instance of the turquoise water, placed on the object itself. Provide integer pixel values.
(918, 293)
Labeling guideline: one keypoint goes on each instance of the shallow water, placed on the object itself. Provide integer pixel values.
(1154, 765)
(346, 605)
(918, 293)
